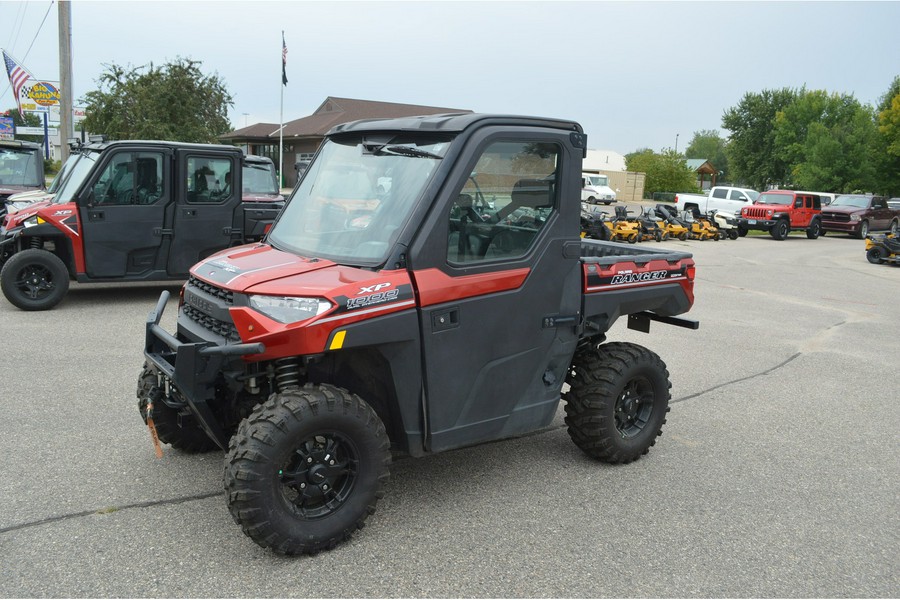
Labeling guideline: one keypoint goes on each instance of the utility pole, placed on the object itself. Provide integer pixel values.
(66, 102)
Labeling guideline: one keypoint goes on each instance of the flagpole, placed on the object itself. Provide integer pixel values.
(281, 120)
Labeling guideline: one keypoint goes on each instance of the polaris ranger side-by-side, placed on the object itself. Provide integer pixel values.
(130, 211)
(443, 310)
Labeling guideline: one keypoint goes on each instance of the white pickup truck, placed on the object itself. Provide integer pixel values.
(725, 198)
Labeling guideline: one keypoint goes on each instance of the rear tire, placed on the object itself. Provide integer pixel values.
(895, 227)
(306, 468)
(814, 230)
(187, 435)
(34, 279)
(617, 401)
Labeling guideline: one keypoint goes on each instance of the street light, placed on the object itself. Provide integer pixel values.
(676, 142)
(245, 118)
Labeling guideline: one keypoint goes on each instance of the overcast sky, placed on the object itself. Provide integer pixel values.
(634, 74)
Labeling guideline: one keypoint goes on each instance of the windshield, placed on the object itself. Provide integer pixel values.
(854, 201)
(63, 173)
(598, 180)
(259, 178)
(77, 172)
(355, 198)
(20, 167)
(766, 198)
(752, 194)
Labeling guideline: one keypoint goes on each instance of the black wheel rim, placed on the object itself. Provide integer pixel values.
(633, 407)
(35, 282)
(320, 475)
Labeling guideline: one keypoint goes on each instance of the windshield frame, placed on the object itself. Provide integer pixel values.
(783, 198)
(78, 174)
(335, 184)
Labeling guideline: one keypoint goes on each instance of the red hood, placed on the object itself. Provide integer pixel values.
(262, 269)
(16, 217)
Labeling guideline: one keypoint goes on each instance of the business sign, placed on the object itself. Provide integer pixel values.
(34, 130)
(39, 96)
(8, 128)
(78, 114)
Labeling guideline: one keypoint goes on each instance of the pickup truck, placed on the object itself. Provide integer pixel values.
(130, 211)
(781, 211)
(21, 169)
(857, 214)
(722, 198)
(409, 321)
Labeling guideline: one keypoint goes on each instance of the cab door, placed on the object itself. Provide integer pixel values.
(205, 208)
(499, 291)
(123, 213)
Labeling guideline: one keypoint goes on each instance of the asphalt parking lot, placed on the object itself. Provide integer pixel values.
(777, 475)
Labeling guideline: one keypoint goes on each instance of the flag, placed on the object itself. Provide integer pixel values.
(18, 75)
(283, 60)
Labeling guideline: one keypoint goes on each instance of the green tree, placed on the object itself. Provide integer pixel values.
(751, 149)
(827, 142)
(887, 141)
(174, 102)
(707, 144)
(665, 172)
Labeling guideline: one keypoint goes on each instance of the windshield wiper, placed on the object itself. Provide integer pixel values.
(407, 151)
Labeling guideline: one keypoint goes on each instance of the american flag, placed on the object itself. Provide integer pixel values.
(283, 60)
(18, 76)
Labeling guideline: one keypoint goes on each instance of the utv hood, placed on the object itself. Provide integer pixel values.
(261, 269)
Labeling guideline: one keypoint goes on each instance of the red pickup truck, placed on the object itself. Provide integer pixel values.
(857, 214)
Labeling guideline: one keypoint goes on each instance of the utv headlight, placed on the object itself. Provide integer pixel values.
(288, 309)
(32, 221)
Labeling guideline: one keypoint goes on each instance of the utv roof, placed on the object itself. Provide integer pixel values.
(18, 144)
(449, 123)
(157, 143)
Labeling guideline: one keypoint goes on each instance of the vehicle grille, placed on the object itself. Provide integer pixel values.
(212, 313)
(836, 217)
(753, 212)
(226, 330)
(212, 290)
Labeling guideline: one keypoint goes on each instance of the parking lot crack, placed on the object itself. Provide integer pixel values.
(768, 371)
(108, 510)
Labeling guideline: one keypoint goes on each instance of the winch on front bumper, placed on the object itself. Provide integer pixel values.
(192, 368)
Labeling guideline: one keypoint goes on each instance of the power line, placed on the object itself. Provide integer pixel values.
(41, 26)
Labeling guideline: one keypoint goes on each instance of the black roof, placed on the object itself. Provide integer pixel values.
(449, 123)
(19, 144)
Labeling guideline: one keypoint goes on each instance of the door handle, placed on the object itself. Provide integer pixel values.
(96, 215)
(189, 212)
(444, 320)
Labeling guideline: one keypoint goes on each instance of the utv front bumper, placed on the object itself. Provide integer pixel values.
(192, 368)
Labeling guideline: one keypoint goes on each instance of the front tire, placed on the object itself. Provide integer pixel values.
(863, 230)
(306, 468)
(780, 230)
(732, 234)
(34, 279)
(617, 401)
